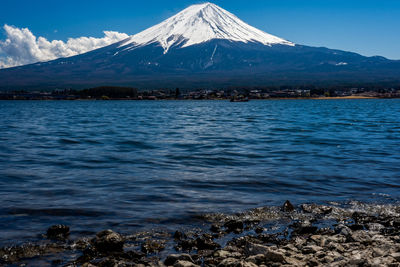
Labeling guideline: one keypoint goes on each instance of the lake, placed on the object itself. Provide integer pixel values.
(134, 165)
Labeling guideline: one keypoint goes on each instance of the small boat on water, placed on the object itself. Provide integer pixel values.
(239, 99)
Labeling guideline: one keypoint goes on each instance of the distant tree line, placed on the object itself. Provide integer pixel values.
(106, 91)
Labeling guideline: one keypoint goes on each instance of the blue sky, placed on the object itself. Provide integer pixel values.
(369, 27)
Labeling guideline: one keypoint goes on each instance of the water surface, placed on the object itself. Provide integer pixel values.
(131, 165)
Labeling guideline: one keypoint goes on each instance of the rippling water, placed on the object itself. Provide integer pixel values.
(133, 165)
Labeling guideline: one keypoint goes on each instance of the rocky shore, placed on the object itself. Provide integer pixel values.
(354, 234)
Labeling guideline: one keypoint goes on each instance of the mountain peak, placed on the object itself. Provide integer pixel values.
(198, 24)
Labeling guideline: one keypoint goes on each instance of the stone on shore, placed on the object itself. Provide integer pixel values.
(287, 206)
(108, 241)
(58, 232)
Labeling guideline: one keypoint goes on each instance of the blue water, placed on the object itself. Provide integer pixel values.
(133, 165)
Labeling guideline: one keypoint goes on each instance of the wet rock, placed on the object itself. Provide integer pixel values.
(15, 254)
(362, 218)
(186, 245)
(58, 232)
(234, 226)
(259, 230)
(152, 246)
(316, 209)
(287, 206)
(108, 241)
(215, 228)
(179, 235)
(358, 239)
(204, 243)
(81, 244)
(173, 258)
(303, 228)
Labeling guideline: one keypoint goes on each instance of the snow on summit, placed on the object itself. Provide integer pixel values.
(198, 24)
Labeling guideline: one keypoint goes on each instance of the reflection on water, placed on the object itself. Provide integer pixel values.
(96, 165)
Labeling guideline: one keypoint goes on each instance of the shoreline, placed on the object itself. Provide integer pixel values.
(217, 99)
(304, 235)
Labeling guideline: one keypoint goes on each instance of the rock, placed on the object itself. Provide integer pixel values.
(58, 232)
(255, 249)
(313, 262)
(290, 247)
(287, 206)
(186, 245)
(81, 244)
(360, 237)
(311, 249)
(328, 259)
(396, 223)
(342, 229)
(173, 258)
(152, 246)
(295, 262)
(182, 263)
(108, 241)
(222, 254)
(362, 218)
(316, 209)
(204, 243)
(377, 252)
(178, 235)
(396, 256)
(230, 262)
(249, 264)
(88, 264)
(303, 228)
(256, 259)
(274, 257)
(356, 227)
(215, 228)
(234, 226)
(357, 260)
(375, 227)
(336, 247)
(259, 230)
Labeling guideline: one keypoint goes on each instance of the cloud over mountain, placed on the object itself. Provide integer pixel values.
(23, 47)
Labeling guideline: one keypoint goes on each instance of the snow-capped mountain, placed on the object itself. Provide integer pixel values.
(199, 24)
(203, 46)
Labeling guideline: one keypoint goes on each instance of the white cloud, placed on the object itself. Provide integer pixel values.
(22, 47)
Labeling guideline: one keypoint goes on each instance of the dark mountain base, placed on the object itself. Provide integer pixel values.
(215, 64)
